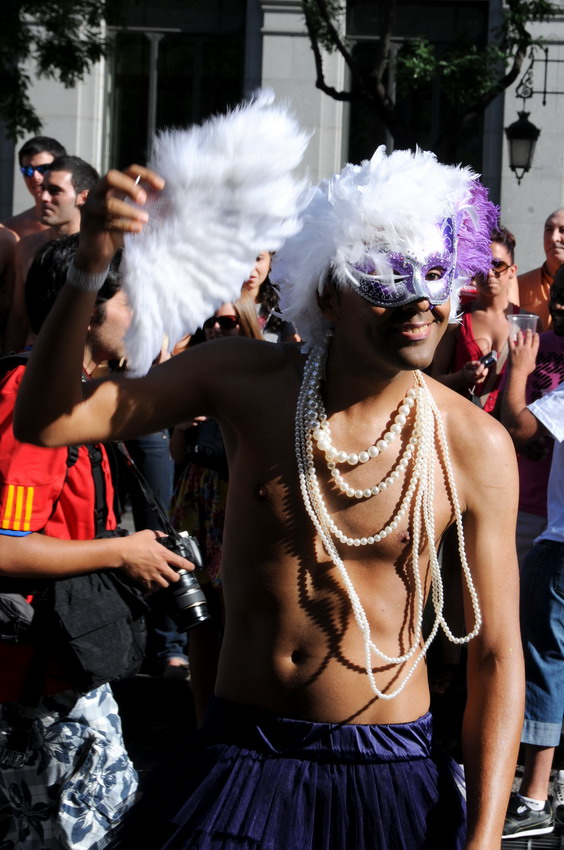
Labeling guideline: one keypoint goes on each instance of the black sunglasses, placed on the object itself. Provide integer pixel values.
(226, 323)
(498, 268)
(27, 170)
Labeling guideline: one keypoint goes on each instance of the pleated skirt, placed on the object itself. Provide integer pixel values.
(255, 781)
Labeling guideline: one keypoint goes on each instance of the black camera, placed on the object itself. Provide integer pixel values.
(489, 359)
(185, 599)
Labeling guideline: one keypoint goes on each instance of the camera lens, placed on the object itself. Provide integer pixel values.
(186, 601)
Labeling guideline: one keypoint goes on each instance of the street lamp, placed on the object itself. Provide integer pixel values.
(522, 136)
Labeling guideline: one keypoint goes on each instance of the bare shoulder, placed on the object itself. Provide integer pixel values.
(24, 223)
(481, 449)
(13, 223)
(8, 238)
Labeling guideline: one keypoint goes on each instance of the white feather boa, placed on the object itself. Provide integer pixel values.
(229, 195)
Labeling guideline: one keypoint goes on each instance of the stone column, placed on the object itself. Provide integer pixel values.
(288, 67)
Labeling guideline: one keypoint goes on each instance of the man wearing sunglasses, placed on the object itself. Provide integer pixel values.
(64, 189)
(319, 735)
(34, 157)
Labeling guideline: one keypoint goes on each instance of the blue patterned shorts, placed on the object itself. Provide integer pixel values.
(77, 781)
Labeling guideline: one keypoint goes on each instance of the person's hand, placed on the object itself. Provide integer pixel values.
(107, 214)
(147, 562)
(473, 372)
(523, 352)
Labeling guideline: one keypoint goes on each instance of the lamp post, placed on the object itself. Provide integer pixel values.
(522, 136)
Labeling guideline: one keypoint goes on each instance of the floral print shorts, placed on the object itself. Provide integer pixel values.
(77, 781)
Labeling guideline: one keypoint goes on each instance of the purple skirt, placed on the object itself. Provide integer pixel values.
(255, 781)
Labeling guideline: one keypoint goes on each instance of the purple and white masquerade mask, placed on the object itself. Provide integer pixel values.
(409, 279)
(395, 229)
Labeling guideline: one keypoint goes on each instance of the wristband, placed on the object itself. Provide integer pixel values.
(84, 280)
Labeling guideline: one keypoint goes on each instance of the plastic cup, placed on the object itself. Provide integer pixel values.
(521, 322)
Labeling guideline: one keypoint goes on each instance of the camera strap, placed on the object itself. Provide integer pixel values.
(150, 497)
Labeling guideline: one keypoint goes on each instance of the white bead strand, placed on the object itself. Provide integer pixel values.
(312, 424)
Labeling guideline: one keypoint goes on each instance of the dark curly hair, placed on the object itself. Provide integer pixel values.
(47, 276)
(269, 301)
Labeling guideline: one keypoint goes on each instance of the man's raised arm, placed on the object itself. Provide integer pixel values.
(54, 407)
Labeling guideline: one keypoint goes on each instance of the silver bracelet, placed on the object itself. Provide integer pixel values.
(84, 280)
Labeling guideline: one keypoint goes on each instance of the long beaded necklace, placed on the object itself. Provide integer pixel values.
(421, 451)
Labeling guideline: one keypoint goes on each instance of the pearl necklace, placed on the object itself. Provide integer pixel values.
(312, 425)
(322, 435)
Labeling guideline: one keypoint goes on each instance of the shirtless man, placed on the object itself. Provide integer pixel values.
(302, 756)
(34, 156)
(65, 187)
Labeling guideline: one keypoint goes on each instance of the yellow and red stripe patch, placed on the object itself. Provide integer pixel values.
(19, 505)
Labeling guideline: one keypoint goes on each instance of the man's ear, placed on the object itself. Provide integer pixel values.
(328, 301)
(81, 198)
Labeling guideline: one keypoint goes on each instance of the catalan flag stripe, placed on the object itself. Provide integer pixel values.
(28, 508)
(19, 507)
(9, 504)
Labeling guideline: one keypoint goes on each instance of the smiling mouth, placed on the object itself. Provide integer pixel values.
(414, 332)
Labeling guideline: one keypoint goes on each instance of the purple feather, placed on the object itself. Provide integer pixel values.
(474, 253)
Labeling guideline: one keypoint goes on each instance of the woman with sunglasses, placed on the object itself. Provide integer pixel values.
(481, 338)
(198, 503)
(237, 319)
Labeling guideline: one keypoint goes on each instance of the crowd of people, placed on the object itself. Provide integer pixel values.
(319, 490)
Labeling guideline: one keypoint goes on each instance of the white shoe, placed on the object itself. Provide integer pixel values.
(558, 797)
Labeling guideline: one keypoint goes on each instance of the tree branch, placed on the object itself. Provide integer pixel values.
(369, 90)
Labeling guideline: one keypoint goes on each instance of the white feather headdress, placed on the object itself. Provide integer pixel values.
(229, 195)
(393, 203)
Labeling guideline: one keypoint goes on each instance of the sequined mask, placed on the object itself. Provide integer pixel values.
(409, 279)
